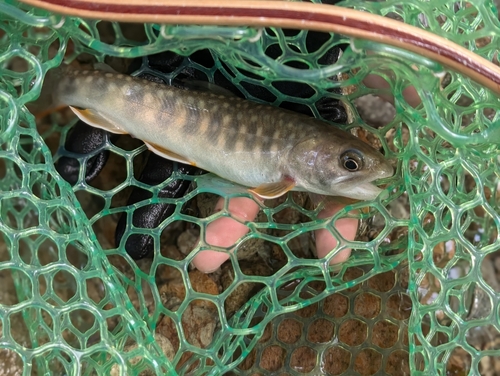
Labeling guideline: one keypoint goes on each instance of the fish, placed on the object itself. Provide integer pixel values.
(267, 149)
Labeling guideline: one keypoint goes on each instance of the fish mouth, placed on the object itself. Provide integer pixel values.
(365, 191)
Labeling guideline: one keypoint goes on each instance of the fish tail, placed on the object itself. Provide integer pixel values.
(48, 101)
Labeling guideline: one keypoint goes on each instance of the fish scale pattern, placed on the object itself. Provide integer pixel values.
(83, 306)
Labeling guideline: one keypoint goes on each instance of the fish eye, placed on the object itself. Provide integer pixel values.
(352, 161)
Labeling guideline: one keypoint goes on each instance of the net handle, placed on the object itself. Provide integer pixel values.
(284, 14)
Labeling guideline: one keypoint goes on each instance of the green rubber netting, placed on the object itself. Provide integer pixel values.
(82, 306)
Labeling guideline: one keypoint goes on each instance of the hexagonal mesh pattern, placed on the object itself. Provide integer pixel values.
(361, 329)
(74, 302)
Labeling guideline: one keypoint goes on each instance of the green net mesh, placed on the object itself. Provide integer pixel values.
(418, 293)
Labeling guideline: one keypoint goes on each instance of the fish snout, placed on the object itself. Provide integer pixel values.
(384, 169)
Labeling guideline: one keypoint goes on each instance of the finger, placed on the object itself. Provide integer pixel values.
(411, 96)
(326, 242)
(377, 82)
(225, 232)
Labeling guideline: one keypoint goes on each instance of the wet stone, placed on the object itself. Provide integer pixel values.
(244, 291)
(289, 331)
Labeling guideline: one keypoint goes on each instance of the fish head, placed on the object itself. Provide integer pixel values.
(338, 164)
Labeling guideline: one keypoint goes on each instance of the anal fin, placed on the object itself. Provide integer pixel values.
(165, 153)
(94, 119)
(273, 190)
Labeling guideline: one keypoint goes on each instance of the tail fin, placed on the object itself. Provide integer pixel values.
(48, 101)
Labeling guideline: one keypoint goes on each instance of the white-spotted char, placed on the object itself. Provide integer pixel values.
(269, 149)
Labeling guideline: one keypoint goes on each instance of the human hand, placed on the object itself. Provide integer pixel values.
(225, 232)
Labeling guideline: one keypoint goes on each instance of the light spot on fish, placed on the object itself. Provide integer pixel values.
(180, 117)
(226, 121)
(221, 139)
(201, 104)
(108, 75)
(120, 76)
(259, 132)
(149, 116)
(239, 116)
(85, 72)
(257, 145)
(215, 108)
(276, 134)
(254, 118)
(149, 98)
(240, 145)
(226, 105)
(89, 79)
(205, 123)
(128, 79)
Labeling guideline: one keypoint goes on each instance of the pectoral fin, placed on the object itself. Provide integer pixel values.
(165, 153)
(96, 120)
(273, 190)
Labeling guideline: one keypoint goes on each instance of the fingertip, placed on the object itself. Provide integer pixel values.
(242, 208)
(209, 261)
(341, 256)
(411, 96)
(374, 81)
(225, 232)
(326, 242)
